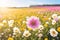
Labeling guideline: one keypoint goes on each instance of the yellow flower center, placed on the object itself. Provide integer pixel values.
(26, 34)
(10, 38)
(53, 32)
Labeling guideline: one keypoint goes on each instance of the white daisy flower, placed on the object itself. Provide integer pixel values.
(16, 30)
(10, 23)
(47, 22)
(2, 33)
(41, 27)
(54, 16)
(26, 33)
(14, 33)
(53, 22)
(53, 32)
(40, 35)
(58, 17)
(49, 18)
(4, 21)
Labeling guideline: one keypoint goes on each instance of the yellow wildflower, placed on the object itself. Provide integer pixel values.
(46, 25)
(22, 28)
(29, 29)
(58, 29)
(46, 39)
(10, 38)
(46, 18)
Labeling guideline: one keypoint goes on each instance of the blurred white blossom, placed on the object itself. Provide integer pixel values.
(53, 22)
(26, 33)
(10, 23)
(53, 32)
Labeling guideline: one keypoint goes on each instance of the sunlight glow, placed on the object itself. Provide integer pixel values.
(3, 10)
(4, 3)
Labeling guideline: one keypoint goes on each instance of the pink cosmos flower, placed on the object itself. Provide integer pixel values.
(33, 22)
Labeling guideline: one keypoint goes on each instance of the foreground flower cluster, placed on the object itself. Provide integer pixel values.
(41, 27)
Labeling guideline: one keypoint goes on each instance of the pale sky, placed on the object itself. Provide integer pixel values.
(26, 3)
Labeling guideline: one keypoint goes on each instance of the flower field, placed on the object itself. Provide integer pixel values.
(30, 23)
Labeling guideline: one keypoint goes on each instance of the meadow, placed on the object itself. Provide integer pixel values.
(35, 23)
